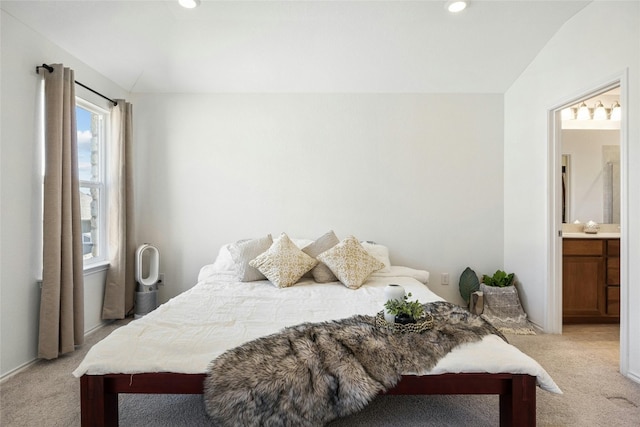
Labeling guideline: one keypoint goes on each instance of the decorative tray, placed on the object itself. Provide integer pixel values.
(424, 323)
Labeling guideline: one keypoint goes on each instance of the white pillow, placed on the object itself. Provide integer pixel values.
(224, 261)
(244, 251)
(283, 263)
(350, 262)
(379, 252)
(301, 243)
(321, 273)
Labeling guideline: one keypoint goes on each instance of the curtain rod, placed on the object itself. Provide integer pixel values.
(49, 68)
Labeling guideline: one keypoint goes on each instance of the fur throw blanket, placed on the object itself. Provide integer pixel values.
(310, 374)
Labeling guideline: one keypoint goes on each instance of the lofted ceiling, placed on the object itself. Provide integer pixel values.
(301, 46)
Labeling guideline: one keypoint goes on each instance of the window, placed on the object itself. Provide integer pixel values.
(92, 136)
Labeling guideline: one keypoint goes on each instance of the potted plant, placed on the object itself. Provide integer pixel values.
(499, 279)
(405, 311)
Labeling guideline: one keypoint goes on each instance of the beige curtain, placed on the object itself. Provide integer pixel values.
(62, 297)
(120, 289)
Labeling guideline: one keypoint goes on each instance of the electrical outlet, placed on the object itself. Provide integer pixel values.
(160, 279)
(445, 279)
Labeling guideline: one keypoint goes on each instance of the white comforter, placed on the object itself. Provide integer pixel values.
(219, 313)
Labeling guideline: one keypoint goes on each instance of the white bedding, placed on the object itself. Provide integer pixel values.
(219, 313)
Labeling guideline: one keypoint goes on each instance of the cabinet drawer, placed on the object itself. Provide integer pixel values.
(613, 271)
(613, 300)
(613, 247)
(583, 246)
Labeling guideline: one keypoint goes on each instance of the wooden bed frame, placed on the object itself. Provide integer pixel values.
(99, 393)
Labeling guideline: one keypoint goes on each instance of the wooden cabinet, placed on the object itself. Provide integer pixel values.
(591, 280)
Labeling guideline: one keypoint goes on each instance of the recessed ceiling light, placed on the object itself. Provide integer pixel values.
(189, 4)
(456, 6)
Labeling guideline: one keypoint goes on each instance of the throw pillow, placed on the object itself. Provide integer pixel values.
(379, 252)
(283, 263)
(350, 262)
(224, 261)
(503, 310)
(243, 252)
(321, 273)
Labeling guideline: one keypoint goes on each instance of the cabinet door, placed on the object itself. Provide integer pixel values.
(582, 286)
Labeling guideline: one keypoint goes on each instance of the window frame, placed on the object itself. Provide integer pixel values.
(102, 184)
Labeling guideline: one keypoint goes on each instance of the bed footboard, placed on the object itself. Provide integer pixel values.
(99, 393)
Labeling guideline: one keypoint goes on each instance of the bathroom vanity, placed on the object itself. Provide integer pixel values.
(591, 278)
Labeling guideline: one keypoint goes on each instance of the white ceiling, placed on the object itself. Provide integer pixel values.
(301, 46)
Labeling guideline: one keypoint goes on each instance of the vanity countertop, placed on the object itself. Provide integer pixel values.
(583, 235)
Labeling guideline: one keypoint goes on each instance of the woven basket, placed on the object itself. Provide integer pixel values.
(424, 323)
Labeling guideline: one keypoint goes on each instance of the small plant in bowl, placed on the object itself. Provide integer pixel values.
(405, 311)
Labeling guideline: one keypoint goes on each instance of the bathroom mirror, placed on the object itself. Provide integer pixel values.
(591, 175)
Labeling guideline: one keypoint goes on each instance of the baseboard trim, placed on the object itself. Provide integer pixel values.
(17, 370)
(26, 365)
(97, 327)
(633, 377)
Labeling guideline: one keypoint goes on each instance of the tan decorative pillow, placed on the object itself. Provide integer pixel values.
(243, 252)
(283, 263)
(350, 262)
(322, 273)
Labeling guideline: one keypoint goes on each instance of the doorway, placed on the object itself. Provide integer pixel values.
(569, 203)
(590, 147)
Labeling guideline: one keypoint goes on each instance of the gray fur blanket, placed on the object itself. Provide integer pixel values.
(310, 374)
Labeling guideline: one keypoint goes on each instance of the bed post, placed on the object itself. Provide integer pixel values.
(98, 407)
(518, 408)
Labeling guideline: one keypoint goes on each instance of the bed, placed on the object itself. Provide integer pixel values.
(168, 350)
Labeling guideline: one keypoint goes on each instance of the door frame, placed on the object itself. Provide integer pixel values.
(554, 221)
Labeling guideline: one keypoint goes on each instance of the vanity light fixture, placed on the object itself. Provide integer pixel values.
(189, 4)
(456, 6)
(616, 112)
(599, 113)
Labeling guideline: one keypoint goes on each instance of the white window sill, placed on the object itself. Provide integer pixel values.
(88, 269)
(96, 267)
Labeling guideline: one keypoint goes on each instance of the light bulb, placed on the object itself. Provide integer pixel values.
(568, 114)
(599, 113)
(616, 112)
(583, 112)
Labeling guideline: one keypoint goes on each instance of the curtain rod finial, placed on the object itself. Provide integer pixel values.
(49, 68)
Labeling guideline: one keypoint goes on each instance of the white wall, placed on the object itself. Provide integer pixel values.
(22, 50)
(575, 60)
(421, 174)
(586, 178)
